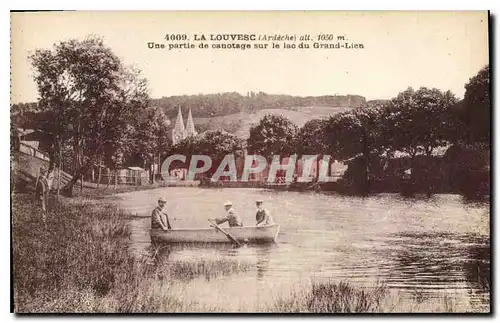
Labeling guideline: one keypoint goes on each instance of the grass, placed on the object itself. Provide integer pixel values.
(90, 190)
(343, 297)
(79, 263)
(333, 297)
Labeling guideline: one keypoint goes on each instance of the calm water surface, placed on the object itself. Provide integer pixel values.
(420, 248)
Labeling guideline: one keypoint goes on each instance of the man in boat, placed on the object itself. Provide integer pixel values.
(262, 217)
(231, 218)
(159, 218)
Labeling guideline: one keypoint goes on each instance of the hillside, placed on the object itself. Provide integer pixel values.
(223, 104)
(240, 123)
(236, 113)
(377, 103)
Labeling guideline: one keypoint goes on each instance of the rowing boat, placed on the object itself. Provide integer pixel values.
(262, 234)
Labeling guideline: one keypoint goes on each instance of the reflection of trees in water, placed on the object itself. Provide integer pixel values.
(477, 267)
(443, 258)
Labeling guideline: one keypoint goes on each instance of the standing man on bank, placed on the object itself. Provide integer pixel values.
(42, 192)
(159, 218)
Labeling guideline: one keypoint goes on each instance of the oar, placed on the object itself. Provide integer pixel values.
(230, 237)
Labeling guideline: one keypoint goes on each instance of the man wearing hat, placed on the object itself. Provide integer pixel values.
(232, 218)
(159, 218)
(42, 191)
(263, 217)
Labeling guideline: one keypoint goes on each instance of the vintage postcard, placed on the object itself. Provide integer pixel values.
(250, 162)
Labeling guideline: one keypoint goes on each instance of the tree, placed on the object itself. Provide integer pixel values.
(91, 95)
(477, 107)
(421, 120)
(355, 135)
(188, 147)
(273, 135)
(311, 141)
(216, 144)
(151, 140)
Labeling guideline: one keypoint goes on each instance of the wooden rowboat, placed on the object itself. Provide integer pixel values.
(262, 234)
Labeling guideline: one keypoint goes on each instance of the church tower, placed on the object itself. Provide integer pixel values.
(179, 132)
(190, 130)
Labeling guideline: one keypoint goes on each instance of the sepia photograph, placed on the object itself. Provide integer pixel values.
(280, 162)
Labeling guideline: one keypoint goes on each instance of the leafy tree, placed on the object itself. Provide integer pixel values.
(151, 140)
(216, 144)
(91, 96)
(356, 135)
(187, 147)
(477, 107)
(273, 135)
(421, 120)
(311, 141)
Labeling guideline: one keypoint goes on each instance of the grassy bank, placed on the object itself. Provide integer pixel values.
(342, 297)
(79, 262)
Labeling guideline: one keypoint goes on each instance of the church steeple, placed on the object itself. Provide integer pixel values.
(179, 132)
(190, 130)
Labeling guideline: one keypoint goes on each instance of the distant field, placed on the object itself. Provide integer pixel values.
(240, 123)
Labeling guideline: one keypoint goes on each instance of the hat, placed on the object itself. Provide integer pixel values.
(162, 200)
(228, 203)
(259, 201)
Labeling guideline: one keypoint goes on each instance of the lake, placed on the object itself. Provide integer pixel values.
(420, 248)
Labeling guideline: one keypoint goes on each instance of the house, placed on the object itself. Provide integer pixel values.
(132, 175)
(29, 143)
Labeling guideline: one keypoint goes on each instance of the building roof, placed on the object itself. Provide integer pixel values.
(180, 132)
(191, 131)
(179, 123)
(135, 168)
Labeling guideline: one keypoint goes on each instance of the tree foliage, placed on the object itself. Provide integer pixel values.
(218, 144)
(273, 135)
(91, 97)
(353, 133)
(311, 138)
(419, 121)
(215, 144)
(151, 136)
(477, 107)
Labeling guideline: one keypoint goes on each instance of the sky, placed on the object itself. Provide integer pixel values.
(401, 49)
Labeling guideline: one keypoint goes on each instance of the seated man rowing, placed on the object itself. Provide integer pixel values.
(231, 218)
(159, 218)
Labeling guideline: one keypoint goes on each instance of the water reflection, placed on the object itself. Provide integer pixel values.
(263, 254)
(477, 266)
(442, 261)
